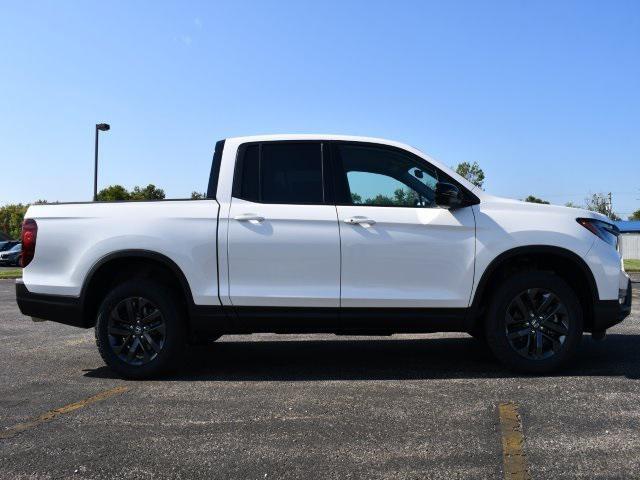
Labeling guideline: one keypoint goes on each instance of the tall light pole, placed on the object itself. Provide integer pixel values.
(99, 127)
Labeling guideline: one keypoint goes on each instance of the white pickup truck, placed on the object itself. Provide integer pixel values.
(324, 233)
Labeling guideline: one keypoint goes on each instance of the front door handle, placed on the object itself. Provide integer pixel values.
(358, 220)
(249, 217)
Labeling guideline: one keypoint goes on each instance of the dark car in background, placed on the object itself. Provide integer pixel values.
(8, 244)
(11, 256)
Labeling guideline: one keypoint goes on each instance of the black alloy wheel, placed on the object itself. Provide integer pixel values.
(137, 331)
(534, 322)
(141, 329)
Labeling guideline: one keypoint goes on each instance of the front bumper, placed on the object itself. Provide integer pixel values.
(57, 308)
(607, 313)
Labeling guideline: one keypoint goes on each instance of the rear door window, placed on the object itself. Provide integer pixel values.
(281, 173)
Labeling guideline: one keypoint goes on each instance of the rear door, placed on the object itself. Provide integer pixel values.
(398, 248)
(284, 243)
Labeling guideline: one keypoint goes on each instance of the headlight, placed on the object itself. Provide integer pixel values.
(607, 232)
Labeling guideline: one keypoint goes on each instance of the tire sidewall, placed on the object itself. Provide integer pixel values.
(174, 328)
(495, 322)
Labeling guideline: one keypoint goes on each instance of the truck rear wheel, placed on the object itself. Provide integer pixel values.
(140, 330)
(534, 323)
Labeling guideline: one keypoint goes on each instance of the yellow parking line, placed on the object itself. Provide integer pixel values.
(52, 414)
(514, 459)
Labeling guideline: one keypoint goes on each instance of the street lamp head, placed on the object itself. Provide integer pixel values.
(103, 126)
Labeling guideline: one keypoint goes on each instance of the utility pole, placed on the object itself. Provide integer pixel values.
(610, 206)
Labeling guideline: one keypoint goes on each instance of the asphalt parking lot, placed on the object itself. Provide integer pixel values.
(316, 406)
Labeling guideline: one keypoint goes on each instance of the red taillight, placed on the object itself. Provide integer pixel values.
(28, 237)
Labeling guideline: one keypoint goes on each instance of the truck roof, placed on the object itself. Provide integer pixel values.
(317, 136)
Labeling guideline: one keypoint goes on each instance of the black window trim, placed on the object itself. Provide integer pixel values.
(325, 168)
(212, 188)
(342, 193)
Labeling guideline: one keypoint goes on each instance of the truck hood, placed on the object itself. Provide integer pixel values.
(496, 202)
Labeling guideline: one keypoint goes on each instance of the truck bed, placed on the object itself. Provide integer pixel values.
(74, 237)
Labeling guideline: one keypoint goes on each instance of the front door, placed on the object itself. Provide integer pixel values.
(398, 248)
(284, 243)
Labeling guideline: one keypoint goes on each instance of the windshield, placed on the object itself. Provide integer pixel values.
(16, 248)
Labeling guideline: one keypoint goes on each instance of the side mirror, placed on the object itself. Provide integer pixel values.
(448, 195)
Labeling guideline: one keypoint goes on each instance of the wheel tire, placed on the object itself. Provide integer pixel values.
(170, 342)
(496, 322)
(480, 338)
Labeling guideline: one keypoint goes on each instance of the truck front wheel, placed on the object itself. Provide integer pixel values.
(140, 330)
(534, 323)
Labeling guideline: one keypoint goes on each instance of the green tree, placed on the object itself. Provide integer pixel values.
(150, 192)
(198, 196)
(401, 198)
(406, 198)
(380, 200)
(599, 202)
(532, 199)
(635, 215)
(113, 193)
(472, 172)
(572, 205)
(11, 217)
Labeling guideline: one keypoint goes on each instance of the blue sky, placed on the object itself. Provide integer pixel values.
(544, 95)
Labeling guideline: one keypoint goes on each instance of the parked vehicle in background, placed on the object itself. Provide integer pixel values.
(12, 256)
(323, 233)
(8, 244)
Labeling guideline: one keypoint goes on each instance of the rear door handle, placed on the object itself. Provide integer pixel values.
(248, 217)
(358, 220)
